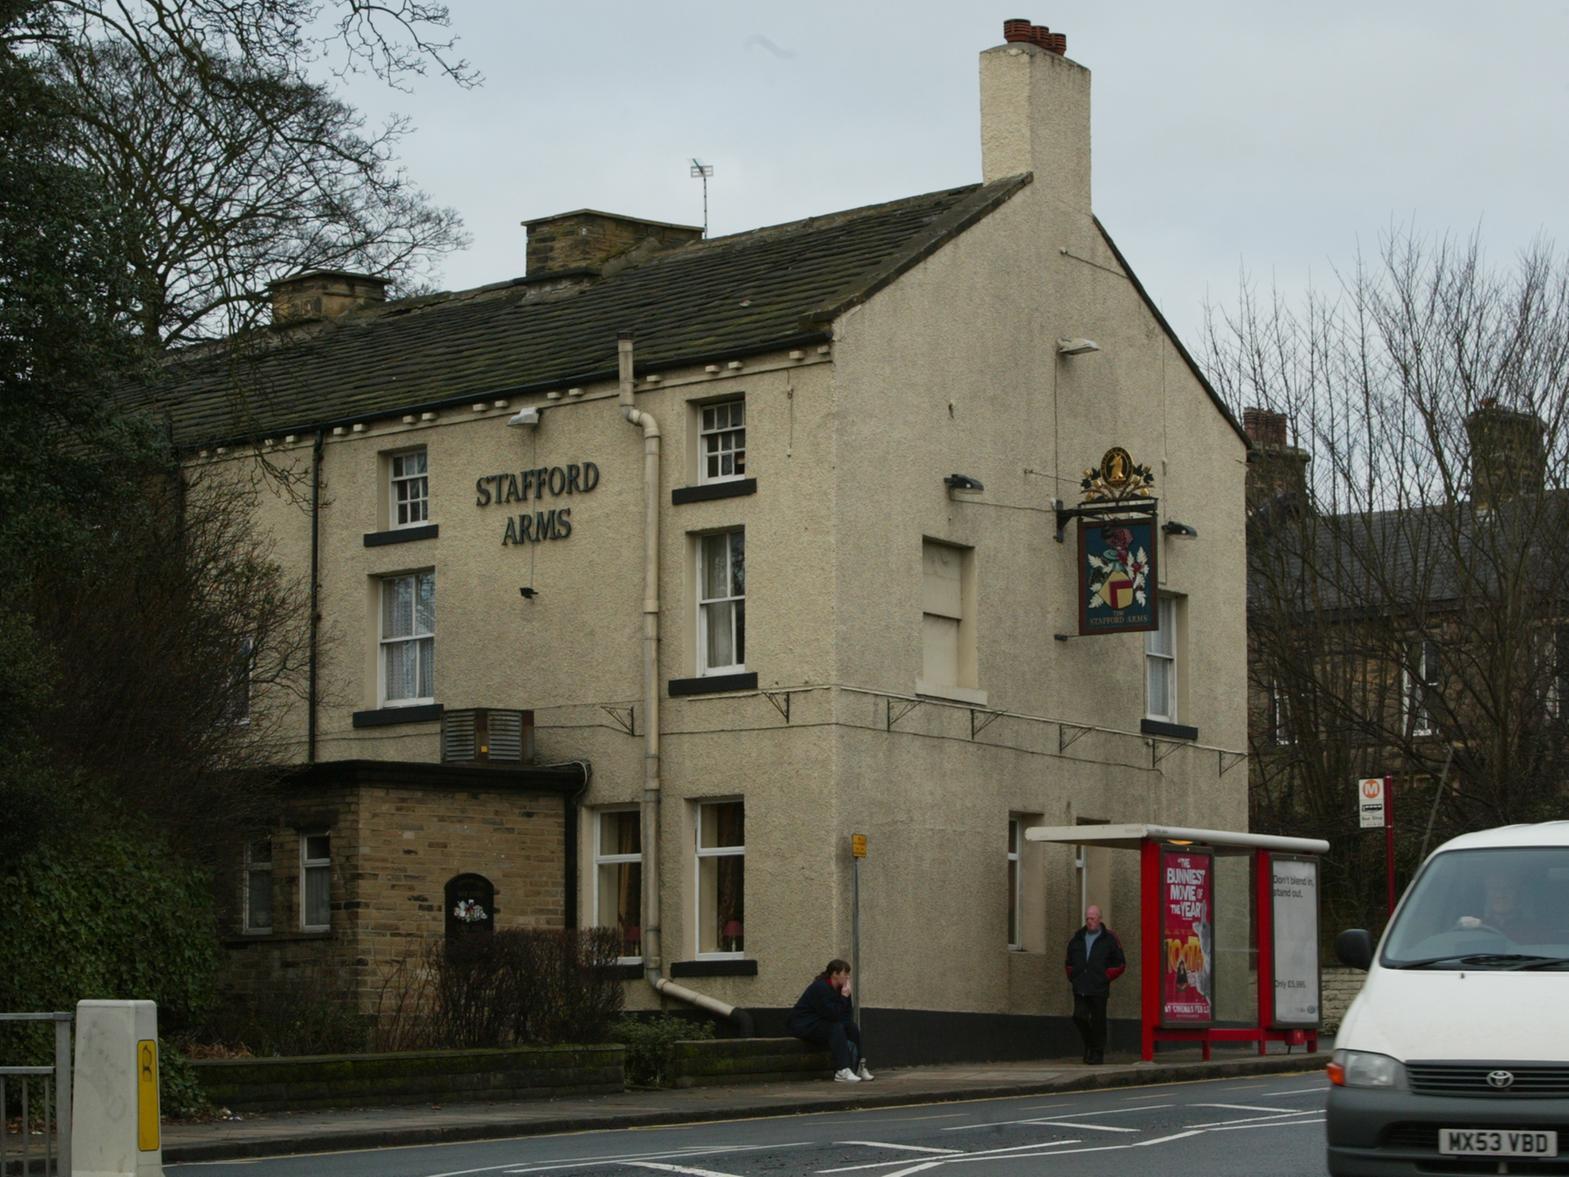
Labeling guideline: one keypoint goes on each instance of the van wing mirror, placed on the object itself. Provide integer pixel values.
(1354, 947)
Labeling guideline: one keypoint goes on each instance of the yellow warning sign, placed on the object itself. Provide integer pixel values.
(147, 1095)
(858, 845)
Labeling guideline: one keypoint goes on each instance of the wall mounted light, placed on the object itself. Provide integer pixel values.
(962, 484)
(528, 592)
(1172, 527)
(1076, 347)
(525, 416)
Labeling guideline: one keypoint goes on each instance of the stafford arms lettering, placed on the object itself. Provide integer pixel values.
(535, 485)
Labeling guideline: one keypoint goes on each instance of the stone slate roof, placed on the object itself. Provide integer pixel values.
(710, 300)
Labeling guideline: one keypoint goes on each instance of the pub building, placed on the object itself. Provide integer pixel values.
(644, 581)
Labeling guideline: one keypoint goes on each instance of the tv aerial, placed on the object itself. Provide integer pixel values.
(701, 170)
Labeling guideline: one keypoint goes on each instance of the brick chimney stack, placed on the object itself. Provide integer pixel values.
(1508, 454)
(1277, 471)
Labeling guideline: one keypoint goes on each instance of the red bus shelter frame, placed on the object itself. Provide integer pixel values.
(1148, 841)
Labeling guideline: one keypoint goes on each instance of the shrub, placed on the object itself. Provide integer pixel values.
(113, 917)
(646, 1039)
(295, 1016)
(180, 1092)
(521, 987)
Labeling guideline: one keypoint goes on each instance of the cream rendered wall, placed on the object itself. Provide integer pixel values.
(953, 369)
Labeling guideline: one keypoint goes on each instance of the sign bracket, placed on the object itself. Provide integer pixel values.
(1064, 740)
(781, 702)
(1137, 510)
(624, 717)
(1156, 755)
(906, 706)
(981, 720)
(1230, 760)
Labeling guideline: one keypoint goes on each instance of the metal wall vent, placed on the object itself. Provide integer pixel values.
(487, 735)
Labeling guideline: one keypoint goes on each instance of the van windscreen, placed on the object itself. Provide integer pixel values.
(1485, 908)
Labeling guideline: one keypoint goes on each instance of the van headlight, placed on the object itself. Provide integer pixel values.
(1362, 1068)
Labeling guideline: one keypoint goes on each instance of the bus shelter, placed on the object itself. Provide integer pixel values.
(1177, 905)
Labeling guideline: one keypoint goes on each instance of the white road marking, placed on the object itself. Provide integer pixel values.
(1269, 1124)
(689, 1152)
(1089, 1127)
(1241, 1107)
(1257, 1119)
(680, 1169)
(952, 1160)
(1077, 1116)
(906, 1147)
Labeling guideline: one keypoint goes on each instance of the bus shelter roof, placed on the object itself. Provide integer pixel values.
(1132, 836)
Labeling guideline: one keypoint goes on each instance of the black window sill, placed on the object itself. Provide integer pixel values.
(713, 968)
(387, 716)
(730, 489)
(713, 684)
(401, 535)
(1172, 731)
(624, 972)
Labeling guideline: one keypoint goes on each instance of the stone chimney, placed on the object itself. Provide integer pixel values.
(1508, 454)
(588, 240)
(1277, 471)
(322, 294)
(1035, 113)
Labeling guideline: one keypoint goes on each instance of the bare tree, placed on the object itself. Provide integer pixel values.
(224, 188)
(1407, 555)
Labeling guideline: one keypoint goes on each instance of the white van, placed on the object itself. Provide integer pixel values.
(1454, 1058)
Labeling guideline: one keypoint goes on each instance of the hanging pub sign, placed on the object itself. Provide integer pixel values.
(1118, 586)
(1187, 981)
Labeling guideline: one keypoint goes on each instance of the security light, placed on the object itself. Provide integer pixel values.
(528, 416)
(1172, 527)
(1076, 347)
(963, 483)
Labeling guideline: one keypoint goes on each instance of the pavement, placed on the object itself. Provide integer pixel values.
(281, 1133)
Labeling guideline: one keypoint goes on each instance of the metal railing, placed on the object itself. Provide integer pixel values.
(49, 1110)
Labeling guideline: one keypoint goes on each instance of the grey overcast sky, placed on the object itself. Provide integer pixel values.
(1229, 134)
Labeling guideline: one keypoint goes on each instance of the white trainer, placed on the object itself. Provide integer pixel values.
(863, 1074)
(846, 1075)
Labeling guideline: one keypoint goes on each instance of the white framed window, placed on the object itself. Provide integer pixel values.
(408, 489)
(721, 878)
(315, 880)
(258, 885)
(721, 602)
(1418, 687)
(618, 878)
(1014, 834)
(1160, 664)
(721, 440)
(408, 639)
(1280, 715)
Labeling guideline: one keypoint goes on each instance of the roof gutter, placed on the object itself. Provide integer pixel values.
(653, 968)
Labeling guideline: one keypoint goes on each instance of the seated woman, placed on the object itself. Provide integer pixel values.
(824, 1016)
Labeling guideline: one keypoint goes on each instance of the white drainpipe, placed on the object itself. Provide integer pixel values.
(653, 969)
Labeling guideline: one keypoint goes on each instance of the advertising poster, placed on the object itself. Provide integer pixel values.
(1117, 592)
(1187, 976)
(1295, 907)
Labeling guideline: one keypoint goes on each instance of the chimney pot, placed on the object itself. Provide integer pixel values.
(1266, 429)
(1016, 30)
(1057, 43)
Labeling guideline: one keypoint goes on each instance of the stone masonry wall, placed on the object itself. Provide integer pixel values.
(1339, 987)
(393, 852)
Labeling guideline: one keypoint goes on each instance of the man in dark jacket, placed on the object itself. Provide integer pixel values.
(1094, 961)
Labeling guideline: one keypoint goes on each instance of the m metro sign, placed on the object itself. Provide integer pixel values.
(1370, 802)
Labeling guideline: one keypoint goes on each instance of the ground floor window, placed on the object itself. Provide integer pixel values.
(315, 881)
(721, 877)
(618, 877)
(258, 885)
